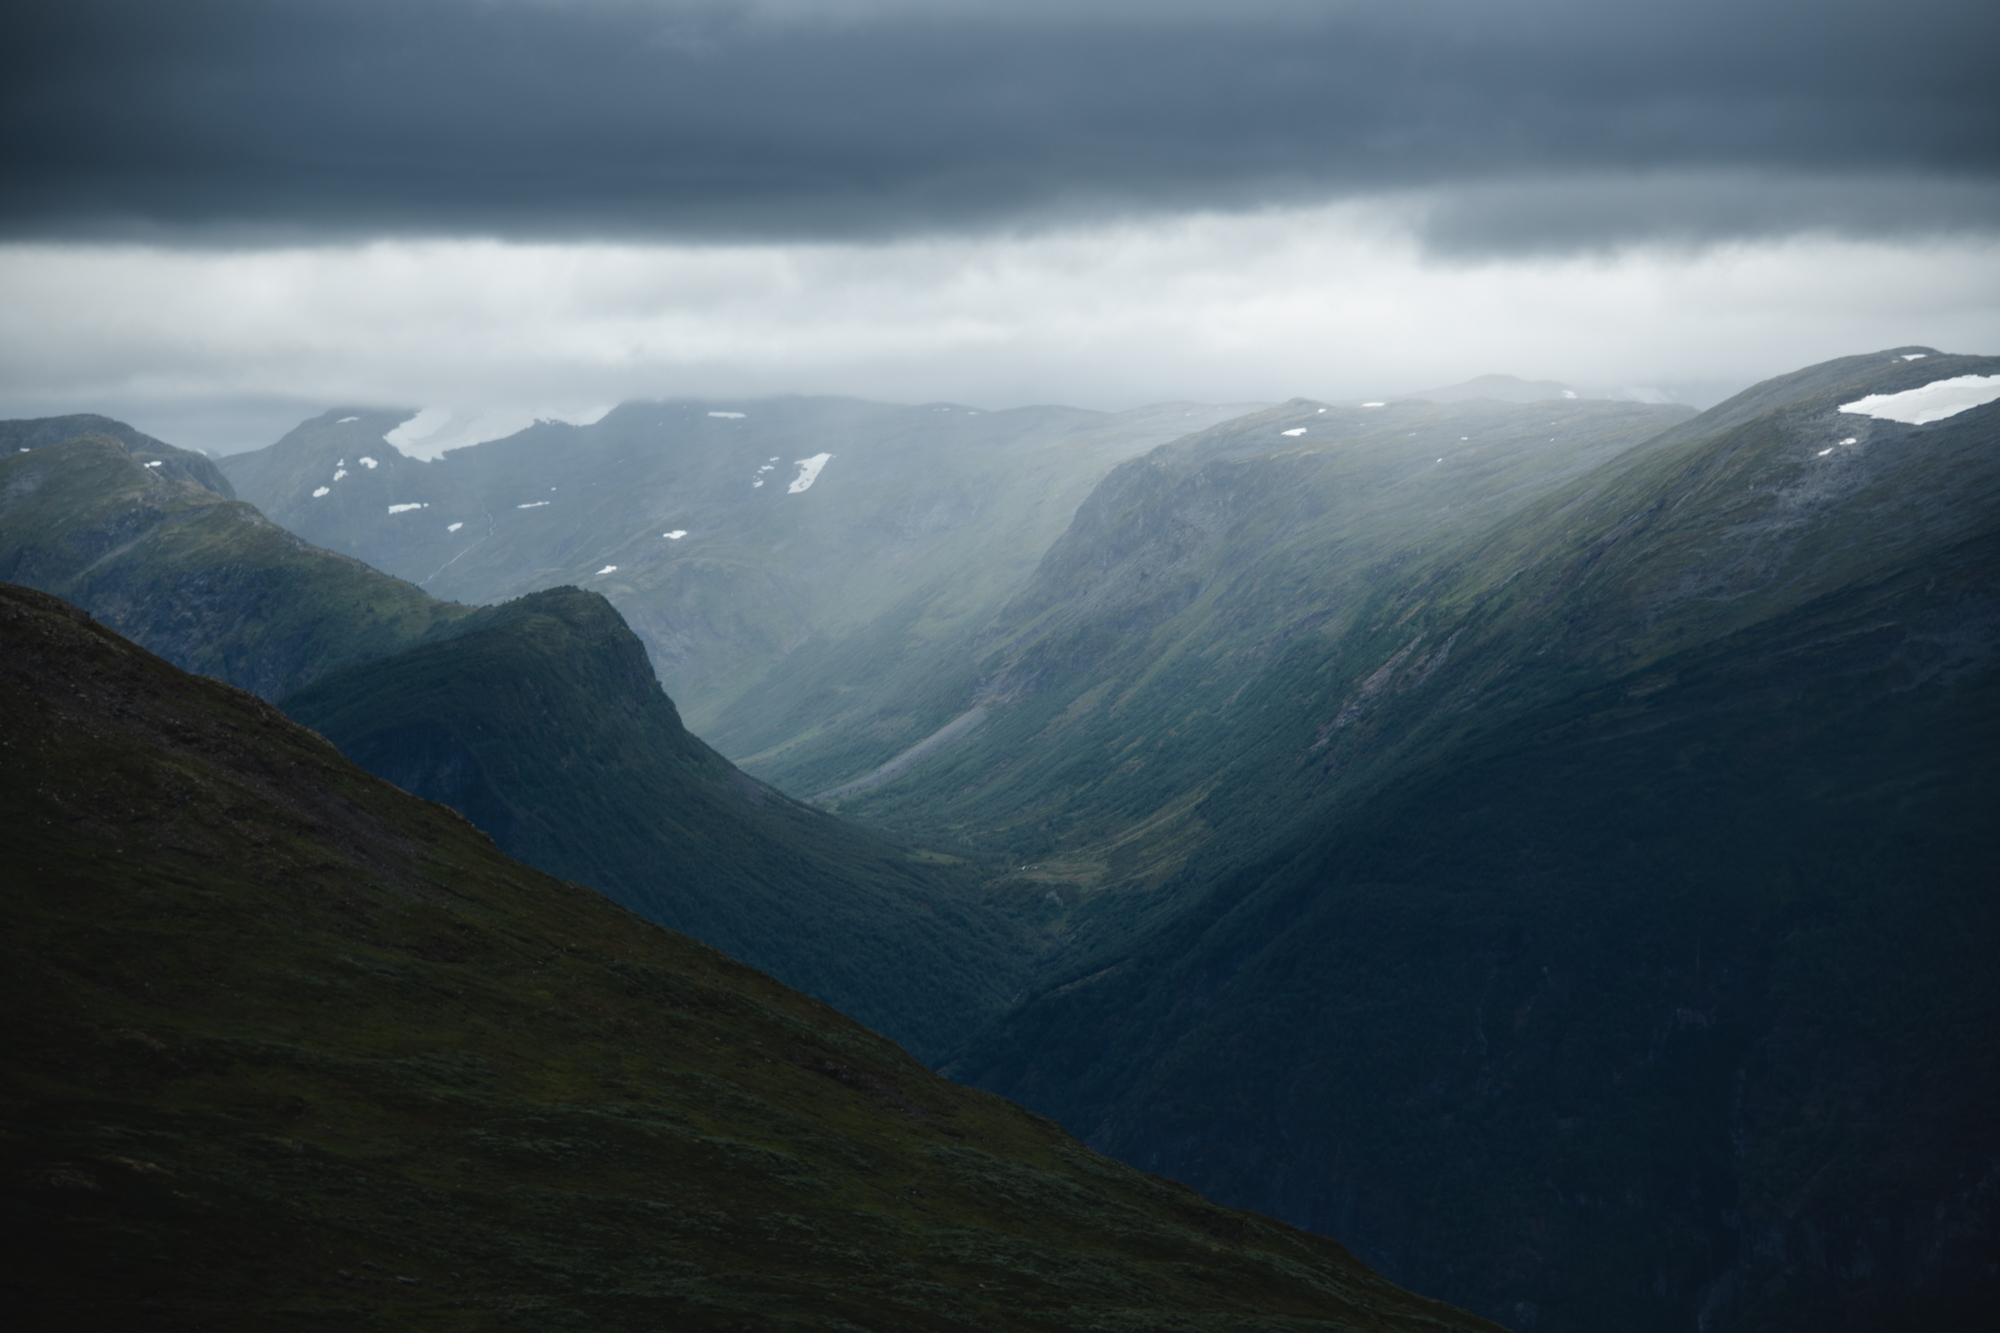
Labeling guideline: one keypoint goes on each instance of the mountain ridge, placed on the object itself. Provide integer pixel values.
(1636, 778)
(543, 722)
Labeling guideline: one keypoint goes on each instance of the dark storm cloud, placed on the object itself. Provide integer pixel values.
(1529, 123)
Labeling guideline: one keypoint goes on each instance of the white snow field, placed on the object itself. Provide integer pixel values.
(344, 420)
(321, 491)
(608, 569)
(404, 509)
(421, 426)
(532, 504)
(728, 416)
(675, 535)
(1296, 430)
(454, 527)
(1933, 402)
(808, 473)
(368, 462)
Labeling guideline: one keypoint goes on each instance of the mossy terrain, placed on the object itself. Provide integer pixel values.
(542, 721)
(288, 1047)
(151, 539)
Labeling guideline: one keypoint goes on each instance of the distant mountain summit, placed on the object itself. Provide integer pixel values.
(151, 540)
(744, 541)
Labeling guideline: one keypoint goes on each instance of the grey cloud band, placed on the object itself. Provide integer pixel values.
(235, 118)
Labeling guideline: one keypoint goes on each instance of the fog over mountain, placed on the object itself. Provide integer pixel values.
(228, 217)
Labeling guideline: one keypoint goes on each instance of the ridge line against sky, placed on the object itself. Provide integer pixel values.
(222, 215)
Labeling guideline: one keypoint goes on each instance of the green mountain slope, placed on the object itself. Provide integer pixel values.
(541, 720)
(25, 435)
(148, 538)
(921, 522)
(288, 1047)
(1142, 693)
(1619, 951)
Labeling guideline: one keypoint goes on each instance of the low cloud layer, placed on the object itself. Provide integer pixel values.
(1534, 124)
(219, 216)
(223, 350)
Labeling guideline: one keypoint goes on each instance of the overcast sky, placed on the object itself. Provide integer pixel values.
(217, 216)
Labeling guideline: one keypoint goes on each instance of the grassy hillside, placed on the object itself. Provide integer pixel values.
(25, 435)
(288, 1047)
(148, 538)
(1617, 950)
(542, 721)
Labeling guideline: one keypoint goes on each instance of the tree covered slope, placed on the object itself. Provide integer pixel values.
(289, 1047)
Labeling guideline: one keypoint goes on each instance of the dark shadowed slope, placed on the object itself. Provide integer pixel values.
(1635, 969)
(151, 540)
(288, 1047)
(542, 721)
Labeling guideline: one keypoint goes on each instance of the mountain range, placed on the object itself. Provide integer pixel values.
(1542, 843)
(540, 719)
(729, 535)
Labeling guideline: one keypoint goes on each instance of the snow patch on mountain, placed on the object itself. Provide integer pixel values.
(809, 469)
(1933, 402)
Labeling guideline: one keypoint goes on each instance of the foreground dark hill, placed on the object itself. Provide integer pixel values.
(541, 720)
(1620, 950)
(151, 539)
(289, 1047)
